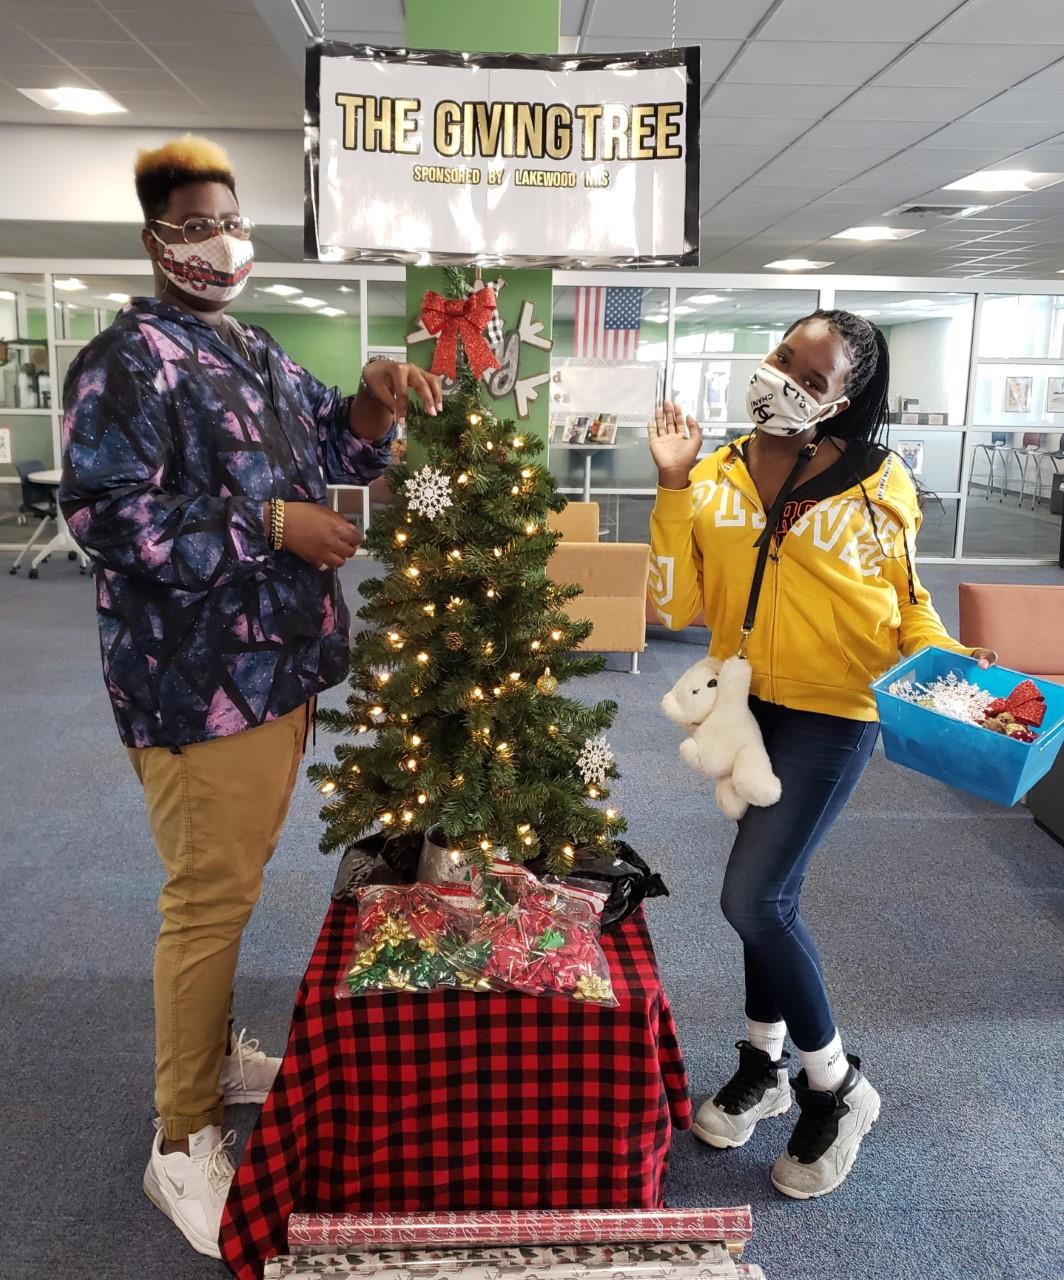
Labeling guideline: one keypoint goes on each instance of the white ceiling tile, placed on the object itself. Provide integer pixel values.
(157, 103)
(1052, 77)
(1006, 138)
(210, 56)
(961, 66)
(913, 104)
(17, 50)
(829, 160)
(772, 132)
(778, 62)
(840, 131)
(47, 22)
(350, 15)
(173, 27)
(858, 20)
(88, 54)
(135, 80)
(773, 101)
(1023, 106)
(721, 20)
(715, 54)
(994, 22)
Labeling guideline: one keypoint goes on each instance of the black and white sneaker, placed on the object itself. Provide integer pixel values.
(759, 1089)
(828, 1134)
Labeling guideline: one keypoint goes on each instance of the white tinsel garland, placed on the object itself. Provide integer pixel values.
(949, 695)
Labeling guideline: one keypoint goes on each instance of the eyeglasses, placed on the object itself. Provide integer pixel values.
(197, 230)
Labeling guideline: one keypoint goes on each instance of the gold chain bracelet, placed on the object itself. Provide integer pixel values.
(277, 523)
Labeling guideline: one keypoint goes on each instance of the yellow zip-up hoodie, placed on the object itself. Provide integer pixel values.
(834, 614)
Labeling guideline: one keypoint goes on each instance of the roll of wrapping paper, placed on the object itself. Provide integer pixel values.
(672, 1261)
(521, 1226)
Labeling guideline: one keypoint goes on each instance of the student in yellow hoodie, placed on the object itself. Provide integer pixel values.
(796, 542)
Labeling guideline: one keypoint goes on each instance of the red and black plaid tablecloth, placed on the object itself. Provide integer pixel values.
(459, 1100)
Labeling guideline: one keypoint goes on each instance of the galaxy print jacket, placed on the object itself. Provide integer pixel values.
(173, 442)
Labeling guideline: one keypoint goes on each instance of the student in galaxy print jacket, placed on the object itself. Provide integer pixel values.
(182, 428)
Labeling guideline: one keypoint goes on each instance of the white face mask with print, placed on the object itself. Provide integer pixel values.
(778, 406)
(216, 270)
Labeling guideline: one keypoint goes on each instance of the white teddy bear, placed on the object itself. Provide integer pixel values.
(712, 702)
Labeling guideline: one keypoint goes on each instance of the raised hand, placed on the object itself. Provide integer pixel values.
(674, 444)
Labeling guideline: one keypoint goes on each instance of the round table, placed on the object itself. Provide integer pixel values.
(62, 540)
(590, 450)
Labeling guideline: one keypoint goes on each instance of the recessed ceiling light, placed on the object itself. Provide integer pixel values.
(706, 299)
(332, 311)
(1005, 180)
(682, 310)
(70, 284)
(282, 290)
(309, 302)
(656, 318)
(346, 289)
(117, 297)
(6, 295)
(796, 264)
(876, 233)
(86, 102)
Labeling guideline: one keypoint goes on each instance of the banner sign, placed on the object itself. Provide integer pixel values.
(429, 157)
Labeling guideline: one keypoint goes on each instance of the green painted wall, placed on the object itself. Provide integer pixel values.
(495, 25)
(484, 25)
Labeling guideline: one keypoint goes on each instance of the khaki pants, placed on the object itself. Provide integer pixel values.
(216, 811)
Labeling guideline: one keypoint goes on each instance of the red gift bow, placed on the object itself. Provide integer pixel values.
(1025, 704)
(468, 317)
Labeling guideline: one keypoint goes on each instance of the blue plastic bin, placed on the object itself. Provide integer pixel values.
(963, 755)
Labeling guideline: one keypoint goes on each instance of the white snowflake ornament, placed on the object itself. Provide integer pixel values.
(428, 492)
(595, 761)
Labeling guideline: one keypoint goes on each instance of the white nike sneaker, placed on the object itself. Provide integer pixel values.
(247, 1073)
(828, 1135)
(759, 1089)
(192, 1189)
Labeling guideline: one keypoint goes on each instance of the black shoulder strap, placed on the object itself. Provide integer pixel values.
(764, 542)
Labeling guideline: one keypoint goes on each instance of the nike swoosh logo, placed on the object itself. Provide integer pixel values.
(179, 1187)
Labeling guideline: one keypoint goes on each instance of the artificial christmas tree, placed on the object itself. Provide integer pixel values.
(454, 720)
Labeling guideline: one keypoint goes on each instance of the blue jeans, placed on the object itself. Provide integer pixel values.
(819, 759)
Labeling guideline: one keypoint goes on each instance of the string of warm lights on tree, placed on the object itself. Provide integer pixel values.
(454, 719)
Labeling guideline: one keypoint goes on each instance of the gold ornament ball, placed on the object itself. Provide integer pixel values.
(454, 641)
(547, 684)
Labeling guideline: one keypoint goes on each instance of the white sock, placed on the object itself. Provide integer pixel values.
(767, 1036)
(825, 1068)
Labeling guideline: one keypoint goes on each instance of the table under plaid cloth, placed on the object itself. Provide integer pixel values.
(461, 1100)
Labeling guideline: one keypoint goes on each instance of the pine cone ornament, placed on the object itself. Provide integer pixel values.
(454, 641)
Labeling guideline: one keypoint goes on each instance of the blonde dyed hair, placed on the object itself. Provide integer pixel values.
(159, 171)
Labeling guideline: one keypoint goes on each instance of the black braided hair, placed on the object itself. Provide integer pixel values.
(868, 380)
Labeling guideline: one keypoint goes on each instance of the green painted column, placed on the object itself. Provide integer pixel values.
(491, 26)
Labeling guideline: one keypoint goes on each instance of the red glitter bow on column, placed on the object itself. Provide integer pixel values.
(465, 317)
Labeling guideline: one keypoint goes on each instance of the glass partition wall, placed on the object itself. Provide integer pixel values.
(976, 393)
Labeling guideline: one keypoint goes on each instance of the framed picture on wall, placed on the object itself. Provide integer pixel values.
(1055, 395)
(912, 454)
(1018, 395)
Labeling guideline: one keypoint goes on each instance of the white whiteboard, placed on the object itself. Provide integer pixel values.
(629, 391)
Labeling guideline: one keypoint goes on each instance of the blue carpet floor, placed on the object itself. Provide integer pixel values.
(938, 916)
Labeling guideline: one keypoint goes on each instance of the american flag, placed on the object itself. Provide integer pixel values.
(607, 323)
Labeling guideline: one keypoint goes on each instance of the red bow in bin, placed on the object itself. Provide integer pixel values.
(1025, 704)
(467, 318)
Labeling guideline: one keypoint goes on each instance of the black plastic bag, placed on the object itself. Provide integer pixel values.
(377, 859)
(627, 877)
